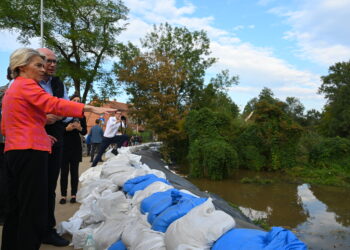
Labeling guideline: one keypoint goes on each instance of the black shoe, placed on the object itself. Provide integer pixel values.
(63, 201)
(54, 239)
(73, 200)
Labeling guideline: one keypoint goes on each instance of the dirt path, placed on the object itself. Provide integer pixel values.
(64, 212)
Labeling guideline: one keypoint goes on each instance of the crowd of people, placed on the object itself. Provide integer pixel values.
(42, 129)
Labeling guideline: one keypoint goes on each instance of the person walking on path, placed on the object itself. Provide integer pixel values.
(27, 147)
(110, 136)
(96, 135)
(72, 155)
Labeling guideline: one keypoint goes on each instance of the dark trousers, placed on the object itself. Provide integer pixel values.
(94, 147)
(88, 146)
(54, 166)
(3, 186)
(26, 222)
(118, 139)
(71, 167)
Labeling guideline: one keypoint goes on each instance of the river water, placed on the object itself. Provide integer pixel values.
(318, 215)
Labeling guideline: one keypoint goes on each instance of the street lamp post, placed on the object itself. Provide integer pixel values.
(42, 22)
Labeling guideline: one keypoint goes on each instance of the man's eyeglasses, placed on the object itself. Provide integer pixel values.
(51, 61)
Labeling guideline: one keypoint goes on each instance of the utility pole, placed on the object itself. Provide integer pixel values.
(42, 22)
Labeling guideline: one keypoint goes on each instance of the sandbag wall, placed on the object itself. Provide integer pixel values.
(127, 205)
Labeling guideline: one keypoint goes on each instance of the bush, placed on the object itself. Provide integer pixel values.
(330, 151)
(213, 158)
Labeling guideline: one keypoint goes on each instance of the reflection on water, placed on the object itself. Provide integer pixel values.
(321, 229)
(320, 216)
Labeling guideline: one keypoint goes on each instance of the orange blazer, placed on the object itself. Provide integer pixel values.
(24, 108)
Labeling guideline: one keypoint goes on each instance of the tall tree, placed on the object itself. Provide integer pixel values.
(295, 109)
(214, 95)
(163, 76)
(336, 88)
(83, 33)
(182, 47)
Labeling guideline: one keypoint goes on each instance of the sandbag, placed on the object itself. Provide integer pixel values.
(111, 205)
(119, 245)
(199, 228)
(277, 238)
(140, 183)
(156, 198)
(156, 186)
(172, 213)
(158, 202)
(110, 232)
(150, 240)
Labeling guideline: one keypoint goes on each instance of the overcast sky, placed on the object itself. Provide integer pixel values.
(285, 45)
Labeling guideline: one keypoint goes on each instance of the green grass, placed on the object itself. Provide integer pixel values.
(332, 176)
(256, 180)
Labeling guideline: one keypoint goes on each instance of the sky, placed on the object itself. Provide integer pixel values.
(284, 45)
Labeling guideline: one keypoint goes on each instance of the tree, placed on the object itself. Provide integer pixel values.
(295, 109)
(270, 140)
(182, 47)
(82, 33)
(162, 77)
(336, 87)
(265, 94)
(214, 95)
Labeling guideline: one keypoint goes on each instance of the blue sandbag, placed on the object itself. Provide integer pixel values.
(119, 245)
(241, 239)
(149, 202)
(281, 238)
(174, 212)
(129, 184)
(141, 182)
(237, 238)
(169, 198)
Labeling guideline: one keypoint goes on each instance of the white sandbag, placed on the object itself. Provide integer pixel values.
(111, 205)
(199, 228)
(118, 167)
(141, 218)
(90, 175)
(120, 178)
(155, 187)
(132, 231)
(80, 236)
(157, 173)
(95, 188)
(150, 240)
(70, 226)
(109, 233)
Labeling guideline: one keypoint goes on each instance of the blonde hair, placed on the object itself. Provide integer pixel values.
(22, 57)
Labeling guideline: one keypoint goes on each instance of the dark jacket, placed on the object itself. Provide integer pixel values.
(72, 149)
(57, 129)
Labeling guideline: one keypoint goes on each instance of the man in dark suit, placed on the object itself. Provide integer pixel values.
(55, 128)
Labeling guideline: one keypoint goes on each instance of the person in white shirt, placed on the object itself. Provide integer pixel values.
(111, 135)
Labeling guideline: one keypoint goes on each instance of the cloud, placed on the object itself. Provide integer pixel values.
(319, 28)
(257, 67)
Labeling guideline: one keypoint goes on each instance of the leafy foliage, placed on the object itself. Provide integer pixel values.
(336, 88)
(213, 158)
(161, 78)
(83, 34)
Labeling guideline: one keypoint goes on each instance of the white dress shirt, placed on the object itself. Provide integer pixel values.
(112, 127)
